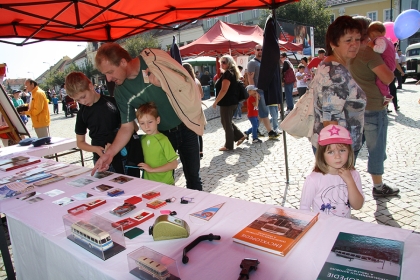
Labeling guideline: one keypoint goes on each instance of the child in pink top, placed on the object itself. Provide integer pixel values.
(385, 47)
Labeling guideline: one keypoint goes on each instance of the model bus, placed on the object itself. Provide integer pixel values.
(153, 268)
(92, 235)
(279, 227)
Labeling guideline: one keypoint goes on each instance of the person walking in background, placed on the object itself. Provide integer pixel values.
(63, 95)
(160, 159)
(38, 109)
(55, 103)
(402, 61)
(334, 186)
(227, 100)
(98, 114)
(337, 97)
(317, 60)
(138, 81)
(252, 106)
(302, 79)
(366, 66)
(17, 101)
(253, 74)
(392, 86)
(288, 84)
(190, 71)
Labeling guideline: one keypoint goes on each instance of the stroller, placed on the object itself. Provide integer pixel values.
(71, 106)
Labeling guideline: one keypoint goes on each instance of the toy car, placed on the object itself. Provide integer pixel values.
(123, 209)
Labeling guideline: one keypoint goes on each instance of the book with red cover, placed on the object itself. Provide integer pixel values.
(19, 164)
(277, 230)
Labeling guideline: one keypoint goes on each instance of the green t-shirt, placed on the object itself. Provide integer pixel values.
(133, 93)
(157, 151)
(360, 69)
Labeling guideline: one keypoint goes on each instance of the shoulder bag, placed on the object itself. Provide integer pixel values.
(300, 121)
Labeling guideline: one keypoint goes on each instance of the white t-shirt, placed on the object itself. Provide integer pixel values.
(301, 82)
(328, 194)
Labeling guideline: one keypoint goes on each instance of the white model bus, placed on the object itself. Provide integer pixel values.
(155, 269)
(92, 235)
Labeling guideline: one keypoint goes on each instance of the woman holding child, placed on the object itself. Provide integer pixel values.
(337, 97)
(227, 99)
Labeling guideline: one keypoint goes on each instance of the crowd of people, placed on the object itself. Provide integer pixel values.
(352, 80)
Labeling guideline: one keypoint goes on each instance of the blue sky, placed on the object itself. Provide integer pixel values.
(28, 61)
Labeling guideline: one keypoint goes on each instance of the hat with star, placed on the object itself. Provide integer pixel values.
(334, 134)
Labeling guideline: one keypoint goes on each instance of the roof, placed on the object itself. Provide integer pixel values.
(338, 2)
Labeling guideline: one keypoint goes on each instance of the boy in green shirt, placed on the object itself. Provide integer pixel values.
(159, 155)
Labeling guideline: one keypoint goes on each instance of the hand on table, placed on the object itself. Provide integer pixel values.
(102, 164)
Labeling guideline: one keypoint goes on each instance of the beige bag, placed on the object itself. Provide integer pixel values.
(300, 121)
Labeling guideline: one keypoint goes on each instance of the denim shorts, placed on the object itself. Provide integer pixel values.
(262, 108)
(375, 134)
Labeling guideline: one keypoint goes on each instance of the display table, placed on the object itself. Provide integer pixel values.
(58, 147)
(42, 251)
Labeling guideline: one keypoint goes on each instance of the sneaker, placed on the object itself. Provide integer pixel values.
(256, 141)
(278, 131)
(246, 135)
(239, 118)
(234, 117)
(272, 134)
(259, 133)
(385, 191)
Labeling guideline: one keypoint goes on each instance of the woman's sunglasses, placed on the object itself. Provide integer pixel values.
(223, 62)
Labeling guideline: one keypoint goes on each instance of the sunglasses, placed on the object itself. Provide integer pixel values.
(223, 62)
(258, 50)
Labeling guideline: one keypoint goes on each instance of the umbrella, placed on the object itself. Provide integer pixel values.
(270, 80)
(108, 20)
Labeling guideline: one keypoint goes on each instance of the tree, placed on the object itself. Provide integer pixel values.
(135, 45)
(305, 12)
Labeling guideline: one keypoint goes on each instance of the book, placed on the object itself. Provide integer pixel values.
(276, 231)
(356, 256)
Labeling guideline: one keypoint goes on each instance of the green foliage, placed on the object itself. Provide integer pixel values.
(305, 12)
(136, 44)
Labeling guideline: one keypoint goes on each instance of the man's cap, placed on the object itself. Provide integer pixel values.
(334, 134)
(251, 87)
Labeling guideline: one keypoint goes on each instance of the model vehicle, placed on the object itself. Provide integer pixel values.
(153, 268)
(279, 227)
(123, 209)
(92, 235)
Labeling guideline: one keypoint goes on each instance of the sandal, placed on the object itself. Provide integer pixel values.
(224, 149)
(240, 141)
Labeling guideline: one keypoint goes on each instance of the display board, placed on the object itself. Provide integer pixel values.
(11, 115)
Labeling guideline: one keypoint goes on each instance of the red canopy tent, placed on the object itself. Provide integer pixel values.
(234, 39)
(108, 20)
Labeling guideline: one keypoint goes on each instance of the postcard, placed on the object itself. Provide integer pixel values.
(53, 193)
(121, 179)
(82, 195)
(103, 174)
(80, 182)
(63, 201)
(102, 188)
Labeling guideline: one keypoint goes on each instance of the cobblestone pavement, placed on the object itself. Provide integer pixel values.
(257, 172)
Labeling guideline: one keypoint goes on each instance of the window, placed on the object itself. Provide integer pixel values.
(372, 15)
(209, 22)
(227, 18)
(240, 16)
(388, 16)
(255, 13)
(332, 18)
(414, 4)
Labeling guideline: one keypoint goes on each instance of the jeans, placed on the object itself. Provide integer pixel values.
(274, 112)
(254, 129)
(393, 92)
(288, 90)
(238, 111)
(262, 107)
(185, 141)
(375, 134)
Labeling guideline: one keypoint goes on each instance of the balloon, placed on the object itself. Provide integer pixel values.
(407, 23)
(389, 33)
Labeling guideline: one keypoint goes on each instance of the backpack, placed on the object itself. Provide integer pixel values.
(242, 92)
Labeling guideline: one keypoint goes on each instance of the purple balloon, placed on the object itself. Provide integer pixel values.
(407, 23)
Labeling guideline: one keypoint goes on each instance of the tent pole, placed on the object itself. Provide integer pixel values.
(282, 111)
